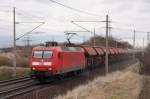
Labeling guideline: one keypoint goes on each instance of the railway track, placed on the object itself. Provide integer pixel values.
(9, 90)
(7, 94)
(12, 87)
(13, 81)
(4, 81)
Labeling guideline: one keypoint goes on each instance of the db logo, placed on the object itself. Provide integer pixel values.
(42, 62)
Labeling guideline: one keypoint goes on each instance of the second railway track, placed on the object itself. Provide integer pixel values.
(15, 86)
(14, 81)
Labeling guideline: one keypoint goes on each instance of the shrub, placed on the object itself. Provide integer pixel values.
(7, 72)
(5, 61)
(23, 72)
(22, 62)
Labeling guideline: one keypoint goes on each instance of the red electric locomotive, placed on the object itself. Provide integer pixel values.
(52, 61)
(49, 62)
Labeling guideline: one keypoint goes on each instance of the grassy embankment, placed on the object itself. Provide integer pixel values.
(117, 85)
(6, 68)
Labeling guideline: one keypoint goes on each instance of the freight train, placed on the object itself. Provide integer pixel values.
(55, 61)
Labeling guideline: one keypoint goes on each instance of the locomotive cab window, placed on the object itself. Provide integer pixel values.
(47, 54)
(42, 54)
(37, 54)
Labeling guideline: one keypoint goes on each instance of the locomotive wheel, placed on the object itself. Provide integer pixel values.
(61, 76)
(79, 72)
(42, 80)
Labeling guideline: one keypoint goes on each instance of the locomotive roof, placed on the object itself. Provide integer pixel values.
(60, 48)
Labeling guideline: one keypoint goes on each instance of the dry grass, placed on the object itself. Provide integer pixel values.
(8, 55)
(7, 58)
(22, 62)
(4, 61)
(7, 72)
(118, 85)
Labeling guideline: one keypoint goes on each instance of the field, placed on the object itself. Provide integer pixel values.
(6, 68)
(145, 71)
(7, 72)
(133, 83)
(117, 85)
(126, 84)
(6, 59)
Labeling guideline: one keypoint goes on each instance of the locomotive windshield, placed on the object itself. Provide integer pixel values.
(42, 54)
(37, 54)
(47, 54)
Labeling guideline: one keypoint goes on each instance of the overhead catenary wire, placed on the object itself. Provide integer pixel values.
(29, 22)
(121, 23)
(90, 21)
(30, 31)
(129, 25)
(27, 14)
(75, 9)
(80, 26)
(20, 12)
(94, 15)
(83, 28)
(34, 17)
(129, 30)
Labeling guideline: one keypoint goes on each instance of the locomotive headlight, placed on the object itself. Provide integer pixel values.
(49, 68)
(33, 68)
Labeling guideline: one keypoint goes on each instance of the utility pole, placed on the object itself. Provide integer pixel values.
(14, 43)
(143, 42)
(27, 44)
(107, 31)
(28, 41)
(106, 55)
(116, 44)
(148, 37)
(143, 47)
(84, 38)
(134, 44)
(94, 38)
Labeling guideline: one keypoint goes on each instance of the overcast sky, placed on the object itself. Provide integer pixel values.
(124, 14)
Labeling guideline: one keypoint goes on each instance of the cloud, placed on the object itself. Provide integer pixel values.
(58, 18)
